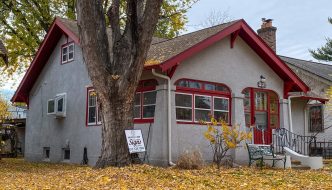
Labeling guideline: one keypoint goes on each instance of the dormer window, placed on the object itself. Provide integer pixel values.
(67, 53)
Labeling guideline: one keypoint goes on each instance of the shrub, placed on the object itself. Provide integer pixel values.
(190, 160)
(222, 138)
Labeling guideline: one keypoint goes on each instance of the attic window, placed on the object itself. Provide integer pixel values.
(67, 53)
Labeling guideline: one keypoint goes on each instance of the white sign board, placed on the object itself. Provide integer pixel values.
(135, 141)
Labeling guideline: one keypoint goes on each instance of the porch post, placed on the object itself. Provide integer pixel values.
(240, 154)
(284, 120)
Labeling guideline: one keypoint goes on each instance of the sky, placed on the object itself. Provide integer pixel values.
(301, 24)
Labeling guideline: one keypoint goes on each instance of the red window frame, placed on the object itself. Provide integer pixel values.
(97, 123)
(203, 92)
(67, 45)
(141, 89)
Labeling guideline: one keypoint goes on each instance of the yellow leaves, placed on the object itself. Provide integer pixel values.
(151, 62)
(17, 174)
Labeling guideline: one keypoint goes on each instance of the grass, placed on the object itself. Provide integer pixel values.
(18, 174)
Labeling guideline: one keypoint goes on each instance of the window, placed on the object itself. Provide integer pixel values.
(221, 110)
(67, 53)
(183, 104)
(51, 106)
(93, 111)
(57, 106)
(60, 107)
(46, 153)
(316, 118)
(145, 101)
(66, 154)
(196, 101)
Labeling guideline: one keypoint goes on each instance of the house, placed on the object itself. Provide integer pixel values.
(225, 70)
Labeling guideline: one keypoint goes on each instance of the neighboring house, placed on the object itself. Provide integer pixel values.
(225, 70)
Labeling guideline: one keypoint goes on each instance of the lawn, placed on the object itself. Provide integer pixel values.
(18, 174)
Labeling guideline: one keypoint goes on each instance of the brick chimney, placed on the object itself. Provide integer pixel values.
(268, 33)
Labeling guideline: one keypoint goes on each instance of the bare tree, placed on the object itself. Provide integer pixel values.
(215, 17)
(115, 63)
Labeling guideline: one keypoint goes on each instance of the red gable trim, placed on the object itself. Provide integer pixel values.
(241, 27)
(51, 39)
(255, 42)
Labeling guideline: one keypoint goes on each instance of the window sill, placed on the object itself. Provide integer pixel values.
(196, 123)
(63, 63)
(93, 125)
(141, 121)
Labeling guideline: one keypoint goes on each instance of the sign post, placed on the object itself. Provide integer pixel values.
(135, 141)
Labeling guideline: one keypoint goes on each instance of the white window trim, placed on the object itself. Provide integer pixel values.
(191, 108)
(64, 107)
(204, 109)
(142, 104)
(224, 111)
(97, 110)
(67, 54)
(51, 113)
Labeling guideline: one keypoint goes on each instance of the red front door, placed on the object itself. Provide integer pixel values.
(261, 108)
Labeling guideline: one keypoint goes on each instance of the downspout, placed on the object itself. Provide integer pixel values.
(169, 116)
(290, 111)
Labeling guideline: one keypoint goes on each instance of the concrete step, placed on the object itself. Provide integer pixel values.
(300, 167)
(327, 162)
(296, 162)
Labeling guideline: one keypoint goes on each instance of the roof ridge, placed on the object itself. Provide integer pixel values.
(305, 60)
(231, 22)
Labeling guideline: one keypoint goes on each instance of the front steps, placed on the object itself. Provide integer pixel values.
(296, 165)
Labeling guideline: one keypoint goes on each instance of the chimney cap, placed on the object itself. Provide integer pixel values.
(267, 20)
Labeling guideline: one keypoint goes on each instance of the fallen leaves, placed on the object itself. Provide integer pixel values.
(18, 174)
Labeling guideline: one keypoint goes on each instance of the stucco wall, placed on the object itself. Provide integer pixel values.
(238, 68)
(320, 87)
(46, 131)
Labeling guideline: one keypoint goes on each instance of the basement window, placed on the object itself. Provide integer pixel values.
(66, 154)
(46, 153)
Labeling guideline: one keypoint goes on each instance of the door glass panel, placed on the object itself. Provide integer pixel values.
(260, 100)
(261, 120)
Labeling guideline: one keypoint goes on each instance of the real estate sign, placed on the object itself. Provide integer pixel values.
(135, 141)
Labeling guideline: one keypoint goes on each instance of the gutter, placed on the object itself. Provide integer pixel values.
(169, 115)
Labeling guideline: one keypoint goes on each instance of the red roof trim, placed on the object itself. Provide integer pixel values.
(269, 53)
(45, 49)
(68, 32)
(254, 41)
(200, 46)
(322, 100)
(257, 44)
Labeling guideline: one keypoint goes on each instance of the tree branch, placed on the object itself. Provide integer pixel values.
(113, 14)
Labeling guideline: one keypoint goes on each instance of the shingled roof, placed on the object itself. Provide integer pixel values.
(166, 54)
(319, 69)
(162, 49)
(160, 52)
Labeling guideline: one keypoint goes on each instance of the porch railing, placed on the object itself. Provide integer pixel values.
(323, 149)
(298, 143)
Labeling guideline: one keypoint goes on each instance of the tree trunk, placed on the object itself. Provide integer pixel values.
(115, 63)
(114, 145)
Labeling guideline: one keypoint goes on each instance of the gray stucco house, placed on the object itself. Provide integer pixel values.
(225, 70)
